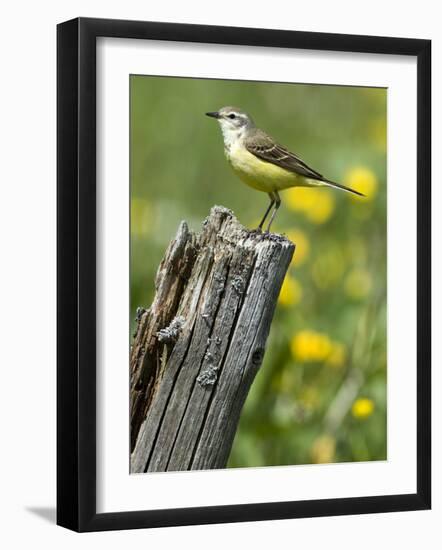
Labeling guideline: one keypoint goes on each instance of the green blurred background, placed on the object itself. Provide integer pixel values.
(320, 395)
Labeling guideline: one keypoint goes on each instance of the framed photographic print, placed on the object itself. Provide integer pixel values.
(243, 274)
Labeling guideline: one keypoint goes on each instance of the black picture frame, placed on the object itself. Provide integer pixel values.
(76, 274)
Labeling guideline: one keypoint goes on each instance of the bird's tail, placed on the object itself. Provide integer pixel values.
(343, 187)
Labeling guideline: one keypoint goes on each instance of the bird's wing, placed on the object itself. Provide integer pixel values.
(264, 147)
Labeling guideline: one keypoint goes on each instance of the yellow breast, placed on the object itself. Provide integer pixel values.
(261, 175)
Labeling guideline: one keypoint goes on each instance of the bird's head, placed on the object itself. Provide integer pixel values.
(233, 122)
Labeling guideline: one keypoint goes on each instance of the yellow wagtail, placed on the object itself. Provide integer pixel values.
(260, 162)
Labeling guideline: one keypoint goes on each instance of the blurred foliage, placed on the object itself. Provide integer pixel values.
(320, 395)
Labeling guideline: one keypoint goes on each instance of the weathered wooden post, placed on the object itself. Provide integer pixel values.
(199, 346)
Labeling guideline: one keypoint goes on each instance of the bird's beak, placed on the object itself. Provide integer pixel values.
(214, 114)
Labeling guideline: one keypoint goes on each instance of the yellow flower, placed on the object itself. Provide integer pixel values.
(310, 346)
(317, 204)
(323, 449)
(323, 207)
(291, 292)
(140, 217)
(338, 355)
(358, 283)
(361, 179)
(362, 408)
(302, 246)
(300, 198)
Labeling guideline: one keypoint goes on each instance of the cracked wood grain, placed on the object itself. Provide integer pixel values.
(198, 348)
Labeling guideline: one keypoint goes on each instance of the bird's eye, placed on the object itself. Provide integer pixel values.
(232, 116)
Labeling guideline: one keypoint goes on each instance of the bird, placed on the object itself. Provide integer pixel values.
(262, 163)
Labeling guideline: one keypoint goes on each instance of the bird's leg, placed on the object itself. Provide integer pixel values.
(277, 205)
(272, 202)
